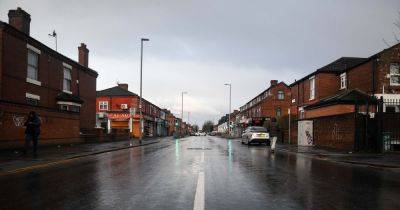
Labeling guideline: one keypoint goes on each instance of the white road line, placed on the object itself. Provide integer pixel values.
(199, 197)
(202, 157)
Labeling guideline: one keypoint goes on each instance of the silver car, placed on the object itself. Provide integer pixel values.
(255, 134)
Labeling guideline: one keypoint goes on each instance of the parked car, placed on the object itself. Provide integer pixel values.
(255, 134)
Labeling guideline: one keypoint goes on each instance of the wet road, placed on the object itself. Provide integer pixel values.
(199, 172)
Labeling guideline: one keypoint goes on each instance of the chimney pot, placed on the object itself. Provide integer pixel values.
(123, 86)
(83, 55)
(274, 82)
(20, 20)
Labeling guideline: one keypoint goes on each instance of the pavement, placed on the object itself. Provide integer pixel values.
(12, 161)
(200, 173)
(383, 161)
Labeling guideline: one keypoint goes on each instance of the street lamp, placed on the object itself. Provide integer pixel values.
(230, 106)
(140, 97)
(184, 92)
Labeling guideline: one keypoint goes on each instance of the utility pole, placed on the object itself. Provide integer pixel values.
(140, 97)
(183, 92)
(230, 107)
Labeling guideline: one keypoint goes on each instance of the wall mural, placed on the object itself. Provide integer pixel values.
(18, 120)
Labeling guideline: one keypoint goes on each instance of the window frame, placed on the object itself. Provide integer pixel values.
(67, 67)
(312, 88)
(281, 93)
(103, 104)
(343, 81)
(34, 79)
(394, 74)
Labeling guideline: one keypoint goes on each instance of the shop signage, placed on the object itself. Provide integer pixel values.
(118, 116)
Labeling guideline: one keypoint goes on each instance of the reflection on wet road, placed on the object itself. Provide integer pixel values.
(201, 172)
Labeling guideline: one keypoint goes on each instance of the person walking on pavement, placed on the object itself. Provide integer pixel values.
(32, 132)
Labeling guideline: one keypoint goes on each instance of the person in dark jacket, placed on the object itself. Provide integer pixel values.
(32, 132)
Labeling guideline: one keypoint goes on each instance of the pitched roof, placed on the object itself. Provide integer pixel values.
(344, 97)
(342, 64)
(335, 67)
(115, 91)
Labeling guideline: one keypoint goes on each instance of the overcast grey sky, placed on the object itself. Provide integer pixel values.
(197, 46)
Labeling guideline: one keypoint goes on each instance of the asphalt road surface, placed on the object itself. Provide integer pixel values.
(200, 173)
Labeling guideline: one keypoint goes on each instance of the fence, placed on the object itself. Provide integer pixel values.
(388, 119)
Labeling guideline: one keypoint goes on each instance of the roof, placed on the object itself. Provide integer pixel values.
(353, 96)
(335, 67)
(46, 48)
(264, 91)
(68, 98)
(115, 91)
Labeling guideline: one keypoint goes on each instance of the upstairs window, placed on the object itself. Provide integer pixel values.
(33, 60)
(103, 105)
(394, 74)
(67, 79)
(278, 112)
(281, 95)
(343, 81)
(312, 88)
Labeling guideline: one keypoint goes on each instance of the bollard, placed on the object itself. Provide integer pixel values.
(273, 143)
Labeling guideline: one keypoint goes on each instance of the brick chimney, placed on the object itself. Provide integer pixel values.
(123, 86)
(83, 55)
(20, 20)
(274, 82)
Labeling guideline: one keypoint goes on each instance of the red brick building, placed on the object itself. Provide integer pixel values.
(33, 77)
(329, 101)
(118, 112)
(270, 105)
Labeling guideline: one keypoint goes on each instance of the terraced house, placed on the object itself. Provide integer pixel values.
(34, 77)
(267, 107)
(341, 105)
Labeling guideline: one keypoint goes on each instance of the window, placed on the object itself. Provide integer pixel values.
(32, 99)
(64, 107)
(278, 112)
(103, 105)
(394, 74)
(312, 88)
(74, 108)
(281, 95)
(67, 79)
(343, 81)
(32, 71)
(301, 113)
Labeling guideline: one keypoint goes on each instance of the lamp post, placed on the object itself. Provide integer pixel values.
(140, 97)
(230, 106)
(184, 92)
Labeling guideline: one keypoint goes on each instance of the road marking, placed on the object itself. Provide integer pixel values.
(202, 157)
(199, 197)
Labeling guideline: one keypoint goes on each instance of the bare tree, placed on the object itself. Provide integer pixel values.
(396, 32)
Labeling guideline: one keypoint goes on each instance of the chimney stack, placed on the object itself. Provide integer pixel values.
(20, 20)
(123, 86)
(83, 55)
(274, 82)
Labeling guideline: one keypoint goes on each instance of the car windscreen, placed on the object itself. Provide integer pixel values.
(258, 129)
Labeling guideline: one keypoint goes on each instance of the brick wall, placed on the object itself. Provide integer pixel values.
(53, 129)
(330, 110)
(391, 55)
(335, 132)
(361, 77)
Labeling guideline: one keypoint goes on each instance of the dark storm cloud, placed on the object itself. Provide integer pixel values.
(198, 46)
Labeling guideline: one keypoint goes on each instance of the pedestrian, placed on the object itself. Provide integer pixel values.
(273, 133)
(32, 132)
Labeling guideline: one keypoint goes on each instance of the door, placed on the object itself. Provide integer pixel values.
(305, 133)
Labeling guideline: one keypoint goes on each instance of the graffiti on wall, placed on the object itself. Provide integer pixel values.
(337, 133)
(18, 120)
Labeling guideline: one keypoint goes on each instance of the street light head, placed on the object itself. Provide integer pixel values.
(227, 84)
(145, 40)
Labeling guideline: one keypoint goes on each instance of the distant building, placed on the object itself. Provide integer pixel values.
(34, 77)
(118, 113)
